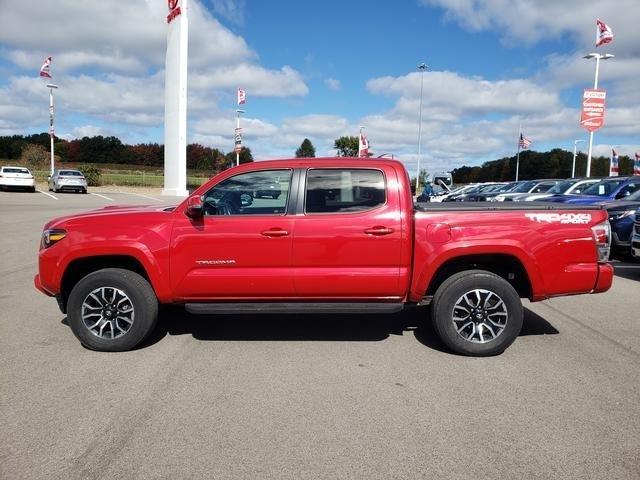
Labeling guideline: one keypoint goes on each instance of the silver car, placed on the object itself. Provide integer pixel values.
(68, 180)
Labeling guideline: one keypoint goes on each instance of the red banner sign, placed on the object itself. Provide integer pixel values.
(592, 117)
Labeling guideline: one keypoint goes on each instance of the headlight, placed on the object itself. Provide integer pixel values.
(498, 198)
(51, 236)
(619, 215)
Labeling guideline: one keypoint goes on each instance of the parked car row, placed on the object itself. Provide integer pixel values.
(20, 178)
(619, 195)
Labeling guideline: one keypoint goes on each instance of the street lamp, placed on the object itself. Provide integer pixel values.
(575, 151)
(51, 87)
(598, 57)
(422, 67)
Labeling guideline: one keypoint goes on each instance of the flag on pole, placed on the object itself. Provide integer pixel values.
(604, 34)
(363, 145)
(242, 97)
(45, 69)
(613, 166)
(636, 165)
(524, 142)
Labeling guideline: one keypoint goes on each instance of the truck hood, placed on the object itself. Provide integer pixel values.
(110, 211)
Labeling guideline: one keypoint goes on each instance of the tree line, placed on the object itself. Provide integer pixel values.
(556, 163)
(33, 150)
(99, 149)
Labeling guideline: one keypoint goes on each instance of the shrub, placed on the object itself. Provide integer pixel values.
(92, 174)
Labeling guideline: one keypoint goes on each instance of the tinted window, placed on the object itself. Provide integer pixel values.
(603, 188)
(70, 173)
(562, 187)
(524, 187)
(252, 193)
(14, 170)
(337, 191)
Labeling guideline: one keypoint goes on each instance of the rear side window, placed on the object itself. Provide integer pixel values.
(344, 191)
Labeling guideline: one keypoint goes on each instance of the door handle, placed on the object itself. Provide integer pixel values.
(274, 232)
(378, 230)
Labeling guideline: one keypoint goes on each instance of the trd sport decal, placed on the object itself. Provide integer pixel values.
(575, 218)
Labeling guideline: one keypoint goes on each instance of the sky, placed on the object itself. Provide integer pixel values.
(320, 70)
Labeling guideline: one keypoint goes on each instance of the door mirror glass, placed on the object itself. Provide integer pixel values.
(246, 199)
(194, 207)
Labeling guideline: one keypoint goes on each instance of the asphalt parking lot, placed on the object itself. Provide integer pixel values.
(294, 397)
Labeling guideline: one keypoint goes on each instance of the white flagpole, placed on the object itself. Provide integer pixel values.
(51, 86)
(518, 155)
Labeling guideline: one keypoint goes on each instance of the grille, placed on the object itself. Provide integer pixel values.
(637, 227)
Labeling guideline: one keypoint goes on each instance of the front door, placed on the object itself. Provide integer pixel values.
(241, 247)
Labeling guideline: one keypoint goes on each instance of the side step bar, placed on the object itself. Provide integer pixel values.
(292, 307)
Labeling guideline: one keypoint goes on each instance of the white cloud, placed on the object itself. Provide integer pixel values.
(87, 131)
(532, 21)
(333, 84)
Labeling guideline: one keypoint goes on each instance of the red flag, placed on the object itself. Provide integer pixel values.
(604, 34)
(636, 165)
(45, 69)
(363, 145)
(613, 166)
(242, 97)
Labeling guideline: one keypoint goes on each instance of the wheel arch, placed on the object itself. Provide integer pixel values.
(81, 267)
(506, 266)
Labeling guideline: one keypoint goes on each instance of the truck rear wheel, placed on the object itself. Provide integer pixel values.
(477, 313)
(112, 310)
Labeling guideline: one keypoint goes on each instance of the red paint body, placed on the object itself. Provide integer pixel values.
(324, 256)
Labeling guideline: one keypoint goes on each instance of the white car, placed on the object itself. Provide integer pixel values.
(16, 177)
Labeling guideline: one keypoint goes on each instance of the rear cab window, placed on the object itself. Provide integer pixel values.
(344, 190)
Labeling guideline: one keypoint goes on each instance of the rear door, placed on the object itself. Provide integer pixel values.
(348, 236)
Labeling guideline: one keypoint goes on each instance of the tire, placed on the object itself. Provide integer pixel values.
(482, 332)
(101, 292)
(83, 191)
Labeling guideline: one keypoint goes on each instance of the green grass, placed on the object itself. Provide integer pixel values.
(125, 175)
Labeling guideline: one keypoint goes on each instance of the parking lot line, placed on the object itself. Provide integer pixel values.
(142, 195)
(48, 194)
(102, 196)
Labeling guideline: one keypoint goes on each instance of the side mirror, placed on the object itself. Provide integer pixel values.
(194, 207)
(246, 199)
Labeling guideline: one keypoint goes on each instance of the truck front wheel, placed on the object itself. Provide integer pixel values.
(112, 310)
(477, 313)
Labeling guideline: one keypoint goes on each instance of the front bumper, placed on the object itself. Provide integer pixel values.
(635, 247)
(38, 284)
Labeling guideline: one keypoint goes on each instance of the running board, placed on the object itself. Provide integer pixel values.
(318, 307)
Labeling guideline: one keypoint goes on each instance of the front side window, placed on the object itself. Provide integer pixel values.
(253, 193)
(344, 191)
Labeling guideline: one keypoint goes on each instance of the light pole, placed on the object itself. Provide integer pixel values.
(598, 57)
(51, 87)
(238, 137)
(422, 67)
(575, 151)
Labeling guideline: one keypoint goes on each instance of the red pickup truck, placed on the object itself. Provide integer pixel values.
(320, 235)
